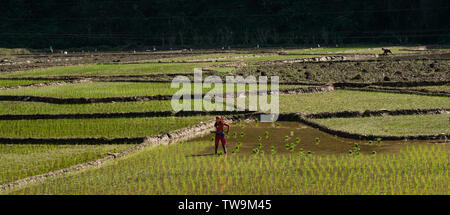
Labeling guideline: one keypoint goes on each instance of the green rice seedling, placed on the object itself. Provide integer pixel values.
(212, 138)
(161, 170)
(317, 140)
(370, 142)
(237, 148)
(297, 140)
(220, 153)
(7, 107)
(277, 125)
(255, 151)
(24, 160)
(272, 149)
(259, 145)
(350, 100)
(259, 138)
(233, 151)
(292, 147)
(97, 89)
(234, 134)
(181, 142)
(286, 138)
(378, 141)
(7, 83)
(95, 127)
(374, 152)
(242, 134)
(239, 143)
(266, 133)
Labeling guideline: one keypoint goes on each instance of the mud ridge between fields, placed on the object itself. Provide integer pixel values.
(391, 84)
(119, 115)
(55, 100)
(423, 92)
(371, 113)
(297, 117)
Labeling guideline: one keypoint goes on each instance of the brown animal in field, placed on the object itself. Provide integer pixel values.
(386, 51)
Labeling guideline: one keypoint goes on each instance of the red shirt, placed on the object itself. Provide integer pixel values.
(219, 126)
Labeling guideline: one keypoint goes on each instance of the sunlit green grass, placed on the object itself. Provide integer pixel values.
(23, 160)
(16, 108)
(349, 100)
(113, 89)
(99, 127)
(176, 170)
(47, 108)
(392, 125)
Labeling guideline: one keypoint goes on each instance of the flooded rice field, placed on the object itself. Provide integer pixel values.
(287, 137)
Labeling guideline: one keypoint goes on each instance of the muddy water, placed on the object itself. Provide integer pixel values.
(311, 139)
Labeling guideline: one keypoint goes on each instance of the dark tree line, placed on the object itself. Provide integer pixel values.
(214, 23)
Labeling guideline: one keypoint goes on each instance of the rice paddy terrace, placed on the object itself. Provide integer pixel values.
(352, 121)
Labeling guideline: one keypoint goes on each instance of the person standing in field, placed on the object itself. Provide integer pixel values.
(220, 133)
